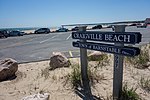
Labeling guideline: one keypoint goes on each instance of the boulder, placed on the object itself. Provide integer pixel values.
(146, 65)
(95, 56)
(8, 68)
(58, 60)
(38, 96)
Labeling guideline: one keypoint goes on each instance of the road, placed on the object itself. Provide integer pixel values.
(35, 47)
(41, 46)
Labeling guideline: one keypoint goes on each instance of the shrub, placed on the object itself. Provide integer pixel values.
(75, 76)
(45, 72)
(102, 60)
(139, 61)
(129, 94)
(145, 83)
(94, 76)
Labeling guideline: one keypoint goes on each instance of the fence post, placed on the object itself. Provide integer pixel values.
(84, 68)
(118, 67)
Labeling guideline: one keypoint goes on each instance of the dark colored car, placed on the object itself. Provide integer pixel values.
(134, 24)
(75, 29)
(97, 27)
(5, 33)
(42, 30)
(16, 33)
(2, 36)
(62, 30)
(109, 26)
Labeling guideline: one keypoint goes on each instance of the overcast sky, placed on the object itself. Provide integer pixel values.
(49, 13)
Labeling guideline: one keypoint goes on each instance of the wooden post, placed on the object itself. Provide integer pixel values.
(84, 69)
(118, 67)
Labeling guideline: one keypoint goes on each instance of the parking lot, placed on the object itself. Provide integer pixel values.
(37, 47)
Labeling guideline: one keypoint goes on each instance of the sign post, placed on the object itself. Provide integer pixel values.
(119, 38)
(118, 67)
(84, 70)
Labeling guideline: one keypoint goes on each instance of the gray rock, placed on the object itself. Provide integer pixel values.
(147, 64)
(95, 56)
(58, 60)
(38, 96)
(8, 68)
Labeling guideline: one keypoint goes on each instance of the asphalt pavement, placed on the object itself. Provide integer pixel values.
(37, 47)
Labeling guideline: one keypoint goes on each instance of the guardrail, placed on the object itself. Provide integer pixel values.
(113, 23)
(143, 23)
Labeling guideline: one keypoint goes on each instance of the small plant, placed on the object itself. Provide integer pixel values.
(75, 76)
(139, 61)
(102, 59)
(145, 83)
(129, 94)
(54, 77)
(94, 76)
(45, 73)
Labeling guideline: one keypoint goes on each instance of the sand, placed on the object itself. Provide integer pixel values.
(33, 78)
(30, 80)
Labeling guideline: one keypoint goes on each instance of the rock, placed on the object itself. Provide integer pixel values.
(95, 56)
(8, 68)
(38, 96)
(147, 65)
(58, 60)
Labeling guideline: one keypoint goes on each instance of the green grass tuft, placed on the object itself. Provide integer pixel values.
(129, 94)
(145, 83)
(139, 61)
(75, 76)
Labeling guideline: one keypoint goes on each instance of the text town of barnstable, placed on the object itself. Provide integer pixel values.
(100, 48)
(132, 51)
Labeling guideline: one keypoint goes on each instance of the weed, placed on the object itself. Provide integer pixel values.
(54, 77)
(45, 73)
(94, 76)
(41, 91)
(139, 61)
(129, 94)
(102, 59)
(145, 83)
(75, 76)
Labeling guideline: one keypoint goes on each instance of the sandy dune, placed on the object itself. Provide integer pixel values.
(33, 78)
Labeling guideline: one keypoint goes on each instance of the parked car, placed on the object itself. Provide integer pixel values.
(134, 24)
(109, 26)
(42, 30)
(2, 36)
(142, 26)
(75, 29)
(16, 33)
(5, 33)
(62, 30)
(97, 27)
